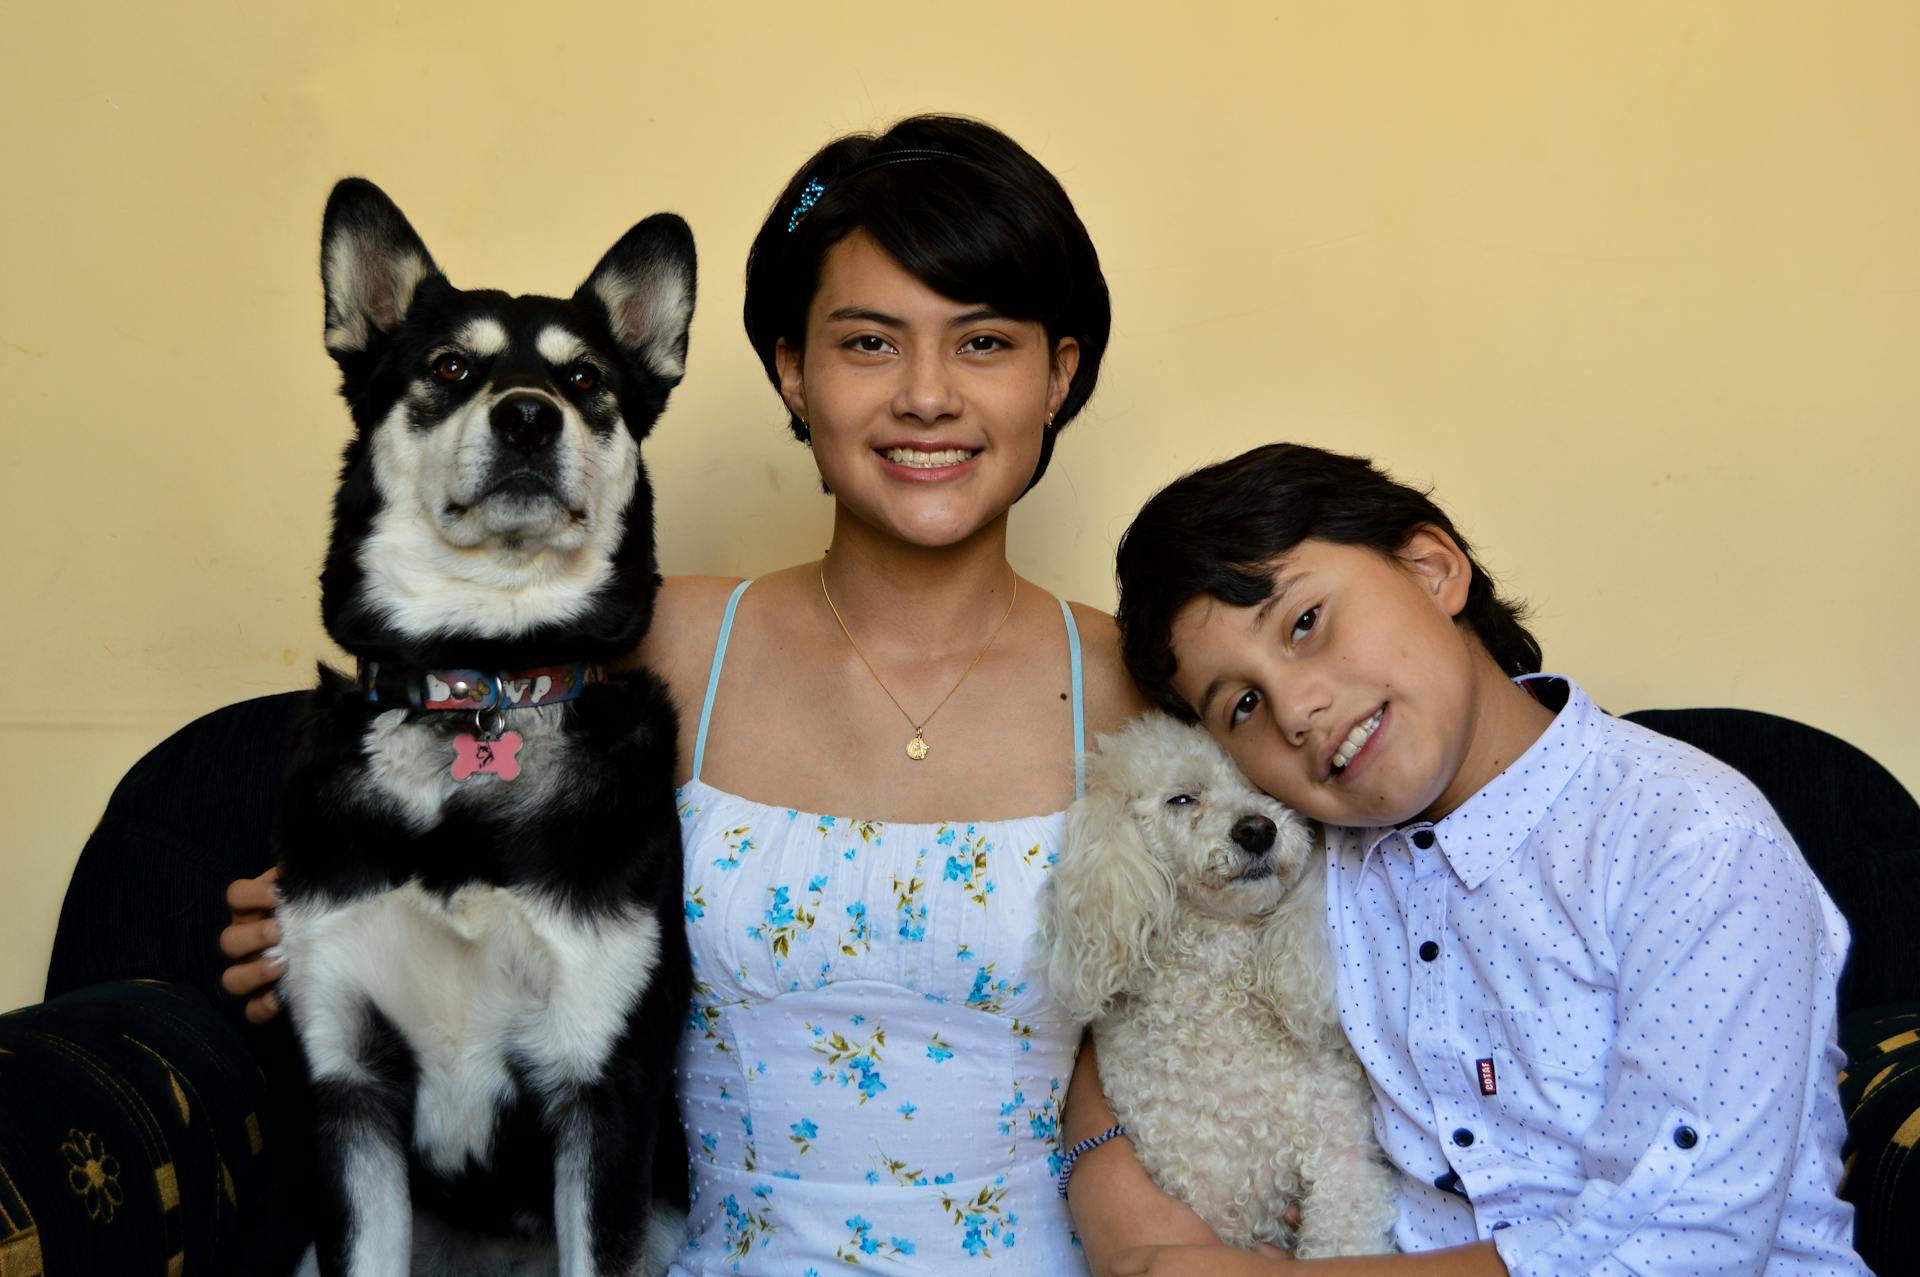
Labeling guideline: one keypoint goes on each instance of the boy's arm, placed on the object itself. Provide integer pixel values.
(1721, 1062)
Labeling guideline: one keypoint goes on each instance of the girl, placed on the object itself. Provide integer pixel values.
(878, 746)
(1590, 976)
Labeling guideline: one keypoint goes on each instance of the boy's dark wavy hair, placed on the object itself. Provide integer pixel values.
(1218, 532)
(966, 210)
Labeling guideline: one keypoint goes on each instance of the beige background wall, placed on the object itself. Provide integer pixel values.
(1636, 286)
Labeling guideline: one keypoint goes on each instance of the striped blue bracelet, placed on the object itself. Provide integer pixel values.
(1085, 1146)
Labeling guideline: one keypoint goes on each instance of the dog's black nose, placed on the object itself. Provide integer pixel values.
(1255, 834)
(526, 423)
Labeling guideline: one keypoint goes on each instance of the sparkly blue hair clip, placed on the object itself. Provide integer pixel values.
(815, 189)
(808, 198)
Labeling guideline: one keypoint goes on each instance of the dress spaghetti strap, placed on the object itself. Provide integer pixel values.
(720, 656)
(1079, 703)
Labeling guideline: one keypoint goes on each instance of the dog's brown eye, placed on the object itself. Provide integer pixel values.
(450, 368)
(583, 377)
(1180, 800)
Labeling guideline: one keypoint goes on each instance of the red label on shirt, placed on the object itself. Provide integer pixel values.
(1486, 1077)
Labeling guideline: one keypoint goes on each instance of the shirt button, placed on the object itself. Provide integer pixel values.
(1500, 1224)
(1685, 1137)
(1464, 1137)
(1423, 839)
(1429, 951)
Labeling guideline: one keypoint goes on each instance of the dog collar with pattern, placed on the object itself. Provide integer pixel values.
(470, 690)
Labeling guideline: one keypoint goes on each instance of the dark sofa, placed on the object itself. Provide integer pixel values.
(145, 1127)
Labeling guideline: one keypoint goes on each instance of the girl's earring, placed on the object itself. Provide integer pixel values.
(1049, 421)
(805, 431)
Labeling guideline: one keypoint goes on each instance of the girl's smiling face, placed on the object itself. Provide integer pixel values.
(926, 414)
(1350, 694)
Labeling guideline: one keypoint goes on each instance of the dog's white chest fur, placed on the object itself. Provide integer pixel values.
(470, 981)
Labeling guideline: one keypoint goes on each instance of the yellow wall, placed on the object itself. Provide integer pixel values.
(1636, 286)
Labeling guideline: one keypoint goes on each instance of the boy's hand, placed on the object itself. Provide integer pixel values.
(1200, 1261)
(245, 941)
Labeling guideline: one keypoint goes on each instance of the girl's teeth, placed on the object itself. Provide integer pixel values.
(927, 460)
(1355, 739)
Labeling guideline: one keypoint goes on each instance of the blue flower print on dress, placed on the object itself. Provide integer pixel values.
(804, 1134)
(738, 842)
(859, 935)
(967, 863)
(909, 909)
(784, 921)
(1007, 1110)
(983, 1219)
(863, 1243)
(989, 994)
(939, 1050)
(853, 1063)
(869, 1075)
(747, 1226)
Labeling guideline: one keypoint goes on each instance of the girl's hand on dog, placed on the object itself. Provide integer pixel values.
(245, 941)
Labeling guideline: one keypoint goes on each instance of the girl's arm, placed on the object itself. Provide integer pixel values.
(1130, 1228)
(1477, 1260)
(1116, 1205)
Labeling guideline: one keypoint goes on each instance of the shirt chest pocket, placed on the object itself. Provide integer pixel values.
(1567, 1041)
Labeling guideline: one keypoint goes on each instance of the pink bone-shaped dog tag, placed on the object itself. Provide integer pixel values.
(475, 757)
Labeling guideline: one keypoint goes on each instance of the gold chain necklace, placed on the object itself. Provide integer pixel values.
(917, 748)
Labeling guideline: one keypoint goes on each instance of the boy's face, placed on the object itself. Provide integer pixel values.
(1350, 693)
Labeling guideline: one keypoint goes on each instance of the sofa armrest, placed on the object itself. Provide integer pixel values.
(131, 1136)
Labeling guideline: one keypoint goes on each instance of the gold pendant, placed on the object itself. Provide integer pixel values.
(917, 748)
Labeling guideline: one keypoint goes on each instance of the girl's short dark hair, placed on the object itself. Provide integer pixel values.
(965, 210)
(1219, 531)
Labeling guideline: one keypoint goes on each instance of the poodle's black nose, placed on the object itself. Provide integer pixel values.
(1254, 834)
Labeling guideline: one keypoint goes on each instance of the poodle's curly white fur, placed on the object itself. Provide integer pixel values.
(1188, 925)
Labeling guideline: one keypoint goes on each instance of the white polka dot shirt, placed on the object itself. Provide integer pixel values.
(1596, 1003)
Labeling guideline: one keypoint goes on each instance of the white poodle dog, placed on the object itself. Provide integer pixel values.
(1188, 925)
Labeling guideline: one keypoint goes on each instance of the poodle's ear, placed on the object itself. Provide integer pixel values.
(1109, 898)
(1293, 960)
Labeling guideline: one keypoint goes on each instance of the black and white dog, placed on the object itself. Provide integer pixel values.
(480, 856)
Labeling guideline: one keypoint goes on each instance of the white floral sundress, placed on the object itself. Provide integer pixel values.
(873, 1068)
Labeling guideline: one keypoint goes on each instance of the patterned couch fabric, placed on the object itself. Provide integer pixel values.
(1881, 1094)
(129, 1134)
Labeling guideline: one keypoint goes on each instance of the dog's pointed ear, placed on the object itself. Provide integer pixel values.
(1110, 897)
(645, 285)
(371, 264)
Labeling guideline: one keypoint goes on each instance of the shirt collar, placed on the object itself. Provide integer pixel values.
(1481, 834)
